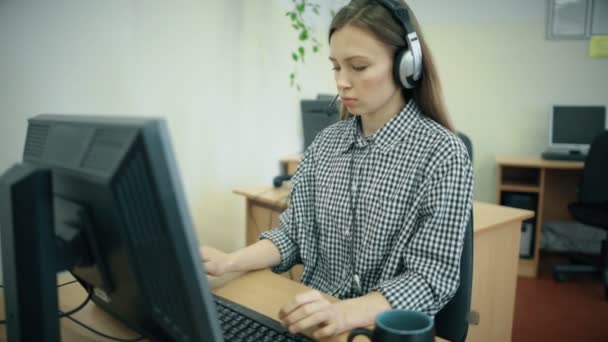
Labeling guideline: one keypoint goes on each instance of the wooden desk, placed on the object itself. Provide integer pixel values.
(496, 253)
(552, 183)
(262, 291)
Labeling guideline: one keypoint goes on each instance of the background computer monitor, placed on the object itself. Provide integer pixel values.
(317, 114)
(574, 127)
(121, 222)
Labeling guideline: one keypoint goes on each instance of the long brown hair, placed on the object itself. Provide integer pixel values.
(370, 15)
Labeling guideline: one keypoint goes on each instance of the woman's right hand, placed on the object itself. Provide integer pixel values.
(216, 262)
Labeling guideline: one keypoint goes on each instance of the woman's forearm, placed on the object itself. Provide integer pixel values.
(261, 254)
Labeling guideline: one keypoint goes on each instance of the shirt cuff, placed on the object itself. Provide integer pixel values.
(409, 292)
(287, 248)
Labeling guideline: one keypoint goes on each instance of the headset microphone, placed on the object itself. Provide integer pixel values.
(330, 106)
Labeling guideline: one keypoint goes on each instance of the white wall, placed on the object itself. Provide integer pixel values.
(218, 71)
(501, 77)
(175, 59)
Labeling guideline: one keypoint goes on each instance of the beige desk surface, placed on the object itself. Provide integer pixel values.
(485, 215)
(538, 162)
(262, 291)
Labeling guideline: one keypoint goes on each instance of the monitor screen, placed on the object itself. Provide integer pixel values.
(115, 180)
(577, 125)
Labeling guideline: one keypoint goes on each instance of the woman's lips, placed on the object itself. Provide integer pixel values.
(349, 101)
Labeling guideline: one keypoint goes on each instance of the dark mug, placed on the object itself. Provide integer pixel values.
(399, 325)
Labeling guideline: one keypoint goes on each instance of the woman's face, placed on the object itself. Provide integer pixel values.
(363, 71)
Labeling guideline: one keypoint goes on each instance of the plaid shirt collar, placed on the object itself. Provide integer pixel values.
(387, 137)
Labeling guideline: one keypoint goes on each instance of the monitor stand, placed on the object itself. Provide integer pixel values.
(34, 249)
(28, 254)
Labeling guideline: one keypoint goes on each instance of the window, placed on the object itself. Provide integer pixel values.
(576, 19)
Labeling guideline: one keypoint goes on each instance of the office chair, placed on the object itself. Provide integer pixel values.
(592, 208)
(467, 142)
(452, 322)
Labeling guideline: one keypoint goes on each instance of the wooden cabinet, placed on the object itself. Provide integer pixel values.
(552, 184)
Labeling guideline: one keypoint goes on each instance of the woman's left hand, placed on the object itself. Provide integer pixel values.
(311, 310)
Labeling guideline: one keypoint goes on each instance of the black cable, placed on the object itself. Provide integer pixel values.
(73, 311)
(79, 307)
(60, 285)
(102, 334)
(68, 314)
(68, 283)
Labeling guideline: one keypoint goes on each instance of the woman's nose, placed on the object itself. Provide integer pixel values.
(342, 80)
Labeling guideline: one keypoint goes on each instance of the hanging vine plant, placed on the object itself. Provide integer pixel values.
(307, 42)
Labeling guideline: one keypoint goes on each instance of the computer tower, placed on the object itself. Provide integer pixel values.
(529, 202)
(527, 238)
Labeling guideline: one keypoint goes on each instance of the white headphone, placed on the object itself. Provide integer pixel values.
(407, 66)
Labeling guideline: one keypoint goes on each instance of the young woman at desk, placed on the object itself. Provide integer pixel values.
(381, 198)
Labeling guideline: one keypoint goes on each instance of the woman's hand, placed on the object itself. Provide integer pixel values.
(311, 310)
(216, 262)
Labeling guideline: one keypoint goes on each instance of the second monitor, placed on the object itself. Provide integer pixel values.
(572, 129)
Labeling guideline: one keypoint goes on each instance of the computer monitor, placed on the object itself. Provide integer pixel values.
(101, 197)
(572, 128)
(317, 114)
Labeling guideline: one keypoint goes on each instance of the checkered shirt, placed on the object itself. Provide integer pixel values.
(410, 185)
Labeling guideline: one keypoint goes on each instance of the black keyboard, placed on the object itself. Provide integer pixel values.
(548, 155)
(242, 324)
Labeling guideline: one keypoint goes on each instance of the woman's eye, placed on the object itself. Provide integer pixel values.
(359, 68)
(335, 68)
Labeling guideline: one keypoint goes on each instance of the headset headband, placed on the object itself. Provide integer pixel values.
(399, 13)
(408, 63)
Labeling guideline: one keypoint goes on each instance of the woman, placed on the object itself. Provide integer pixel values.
(380, 200)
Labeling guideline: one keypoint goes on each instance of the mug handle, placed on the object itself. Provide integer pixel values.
(359, 331)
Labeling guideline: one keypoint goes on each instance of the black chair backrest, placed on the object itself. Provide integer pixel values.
(451, 323)
(467, 143)
(594, 185)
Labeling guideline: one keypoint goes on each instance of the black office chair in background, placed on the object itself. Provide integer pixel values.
(592, 207)
(452, 322)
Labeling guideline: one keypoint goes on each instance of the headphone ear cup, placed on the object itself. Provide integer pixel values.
(403, 69)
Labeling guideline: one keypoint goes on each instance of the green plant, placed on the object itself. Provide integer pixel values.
(304, 33)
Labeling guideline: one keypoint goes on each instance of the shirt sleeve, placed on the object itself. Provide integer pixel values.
(298, 218)
(431, 259)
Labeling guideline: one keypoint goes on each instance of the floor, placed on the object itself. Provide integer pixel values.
(546, 310)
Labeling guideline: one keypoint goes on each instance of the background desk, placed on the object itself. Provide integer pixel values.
(496, 253)
(262, 291)
(554, 184)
